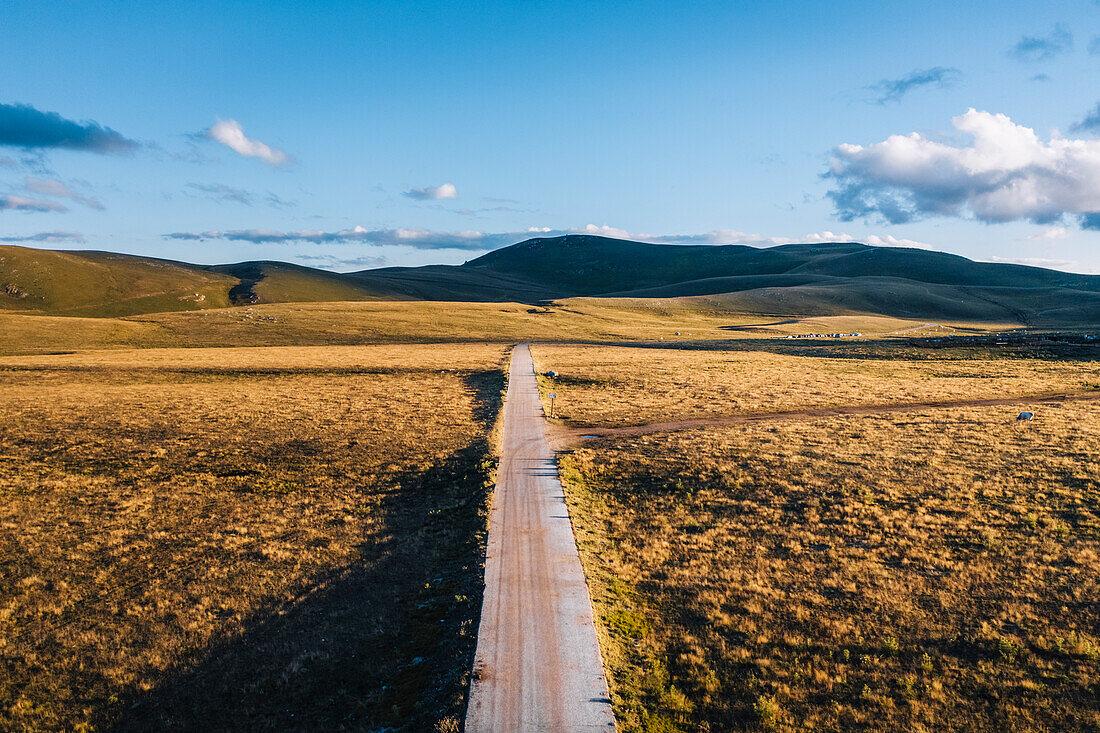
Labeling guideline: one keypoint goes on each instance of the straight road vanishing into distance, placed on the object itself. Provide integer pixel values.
(537, 665)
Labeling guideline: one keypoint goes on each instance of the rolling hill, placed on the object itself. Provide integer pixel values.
(794, 279)
(105, 284)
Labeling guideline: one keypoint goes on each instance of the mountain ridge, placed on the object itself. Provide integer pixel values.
(800, 278)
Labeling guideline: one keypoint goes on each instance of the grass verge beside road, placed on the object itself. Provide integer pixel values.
(610, 386)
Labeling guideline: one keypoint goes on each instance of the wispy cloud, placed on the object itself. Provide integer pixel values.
(11, 202)
(1043, 48)
(23, 126)
(1091, 122)
(735, 236)
(57, 189)
(46, 237)
(1049, 234)
(892, 90)
(220, 192)
(230, 134)
(446, 191)
(410, 237)
(425, 239)
(1006, 173)
(334, 262)
(277, 202)
(1091, 221)
(1047, 262)
(491, 210)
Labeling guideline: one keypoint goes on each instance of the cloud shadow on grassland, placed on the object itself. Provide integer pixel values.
(384, 642)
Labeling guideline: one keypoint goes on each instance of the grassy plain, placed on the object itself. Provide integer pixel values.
(609, 386)
(243, 539)
(930, 570)
(315, 324)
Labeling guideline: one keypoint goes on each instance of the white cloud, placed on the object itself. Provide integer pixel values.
(446, 191)
(891, 241)
(231, 134)
(57, 189)
(1049, 234)
(1046, 262)
(734, 236)
(483, 241)
(1005, 173)
(332, 262)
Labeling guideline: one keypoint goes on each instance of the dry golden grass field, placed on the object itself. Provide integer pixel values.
(243, 539)
(620, 385)
(930, 570)
(242, 519)
(315, 324)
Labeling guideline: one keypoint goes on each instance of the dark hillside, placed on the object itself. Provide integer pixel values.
(588, 265)
(281, 282)
(447, 282)
(939, 267)
(793, 279)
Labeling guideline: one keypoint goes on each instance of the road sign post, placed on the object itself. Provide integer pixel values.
(553, 396)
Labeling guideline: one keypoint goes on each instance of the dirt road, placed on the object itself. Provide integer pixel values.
(537, 666)
(911, 330)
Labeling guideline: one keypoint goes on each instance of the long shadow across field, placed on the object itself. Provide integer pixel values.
(385, 642)
(913, 349)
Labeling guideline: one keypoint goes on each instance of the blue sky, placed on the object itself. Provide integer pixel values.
(349, 135)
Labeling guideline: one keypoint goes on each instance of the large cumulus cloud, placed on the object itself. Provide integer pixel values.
(1004, 172)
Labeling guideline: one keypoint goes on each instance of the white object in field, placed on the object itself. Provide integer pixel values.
(551, 374)
(1029, 416)
(553, 395)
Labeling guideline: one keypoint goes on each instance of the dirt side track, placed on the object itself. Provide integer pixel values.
(669, 426)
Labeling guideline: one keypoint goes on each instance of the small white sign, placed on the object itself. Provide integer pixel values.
(553, 395)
